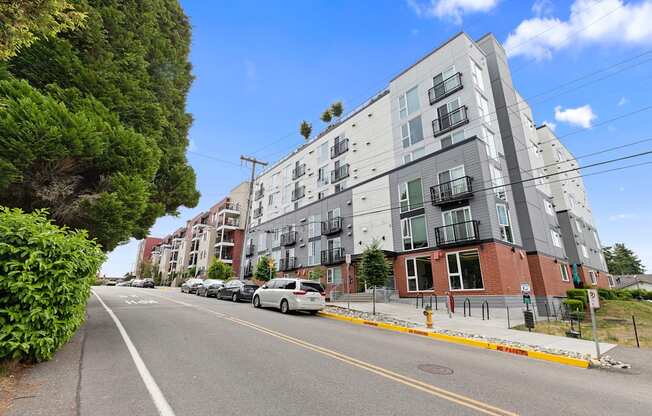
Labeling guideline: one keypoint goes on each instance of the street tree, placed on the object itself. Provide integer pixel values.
(103, 102)
(326, 116)
(337, 108)
(26, 21)
(265, 269)
(622, 260)
(219, 270)
(305, 129)
(146, 270)
(374, 269)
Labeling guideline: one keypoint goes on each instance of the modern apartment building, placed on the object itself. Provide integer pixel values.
(217, 233)
(145, 247)
(441, 169)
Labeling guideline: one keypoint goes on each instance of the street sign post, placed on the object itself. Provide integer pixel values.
(594, 303)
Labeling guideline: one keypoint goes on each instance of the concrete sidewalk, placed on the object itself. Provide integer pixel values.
(496, 327)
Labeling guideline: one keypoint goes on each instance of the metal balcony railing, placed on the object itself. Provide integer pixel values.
(451, 191)
(331, 226)
(339, 148)
(298, 193)
(450, 121)
(258, 212)
(231, 206)
(445, 88)
(340, 173)
(260, 192)
(287, 264)
(458, 233)
(289, 238)
(229, 222)
(299, 171)
(332, 256)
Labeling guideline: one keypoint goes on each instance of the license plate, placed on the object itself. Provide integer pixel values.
(312, 299)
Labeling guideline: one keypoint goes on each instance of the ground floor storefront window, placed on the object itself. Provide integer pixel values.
(419, 274)
(464, 271)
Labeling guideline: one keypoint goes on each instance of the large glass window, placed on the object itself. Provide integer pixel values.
(334, 275)
(476, 71)
(408, 103)
(483, 107)
(314, 226)
(504, 223)
(564, 272)
(497, 182)
(490, 140)
(414, 232)
(314, 252)
(453, 138)
(412, 132)
(419, 274)
(411, 195)
(464, 271)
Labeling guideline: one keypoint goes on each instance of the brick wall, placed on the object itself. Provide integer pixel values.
(546, 276)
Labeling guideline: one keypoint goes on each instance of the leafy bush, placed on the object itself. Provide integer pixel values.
(622, 294)
(219, 270)
(45, 276)
(578, 294)
(574, 308)
(606, 294)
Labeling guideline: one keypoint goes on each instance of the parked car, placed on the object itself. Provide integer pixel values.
(190, 285)
(237, 290)
(137, 283)
(127, 283)
(209, 287)
(289, 294)
(149, 283)
(110, 282)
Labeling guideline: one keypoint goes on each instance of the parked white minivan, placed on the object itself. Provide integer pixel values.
(290, 294)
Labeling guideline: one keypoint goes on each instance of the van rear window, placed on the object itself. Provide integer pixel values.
(311, 287)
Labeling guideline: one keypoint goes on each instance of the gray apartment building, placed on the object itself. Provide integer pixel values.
(445, 171)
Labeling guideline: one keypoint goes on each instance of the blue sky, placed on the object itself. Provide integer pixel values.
(262, 67)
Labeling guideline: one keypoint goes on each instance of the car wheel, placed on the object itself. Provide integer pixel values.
(313, 312)
(234, 297)
(256, 302)
(285, 307)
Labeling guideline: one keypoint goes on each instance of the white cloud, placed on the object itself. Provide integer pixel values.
(581, 116)
(451, 9)
(608, 22)
(543, 7)
(622, 101)
(622, 217)
(550, 124)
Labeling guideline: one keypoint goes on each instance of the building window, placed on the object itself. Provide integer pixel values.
(611, 280)
(464, 271)
(321, 195)
(560, 156)
(483, 107)
(314, 226)
(556, 238)
(314, 252)
(411, 195)
(594, 278)
(334, 275)
(585, 252)
(563, 268)
(419, 274)
(408, 103)
(324, 154)
(497, 182)
(549, 208)
(262, 242)
(322, 175)
(414, 232)
(490, 141)
(504, 223)
(571, 202)
(476, 72)
(453, 138)
(413, 155)
(412, 132)
(578, 224)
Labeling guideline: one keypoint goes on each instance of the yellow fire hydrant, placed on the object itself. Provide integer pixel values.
(427, 312)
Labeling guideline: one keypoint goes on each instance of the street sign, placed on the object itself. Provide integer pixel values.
(528, 317)
(348, 258)
(525, 287)
(526, 299)
(594, 299)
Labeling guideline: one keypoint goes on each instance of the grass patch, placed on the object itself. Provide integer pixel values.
(614, 323)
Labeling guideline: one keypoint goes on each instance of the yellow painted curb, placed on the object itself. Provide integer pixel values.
(560, 359)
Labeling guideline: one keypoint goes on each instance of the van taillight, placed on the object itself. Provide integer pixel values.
(299, 292)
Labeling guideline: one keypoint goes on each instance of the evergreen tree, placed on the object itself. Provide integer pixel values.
(621, 260)
(337, 109)
(374, 269)
(305, 129)
(219, 270)
(265, 269)
(326, 116)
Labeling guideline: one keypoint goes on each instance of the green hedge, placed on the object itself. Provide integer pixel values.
(578, 294)
(45, 276)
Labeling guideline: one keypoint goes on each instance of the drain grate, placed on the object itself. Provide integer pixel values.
(438, 370)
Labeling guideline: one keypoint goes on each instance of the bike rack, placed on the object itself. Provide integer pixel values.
(483, 305)
(436, 304)
(467, 301)
(419, 295)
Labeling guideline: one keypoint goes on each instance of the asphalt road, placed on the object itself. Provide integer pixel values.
(201, 356)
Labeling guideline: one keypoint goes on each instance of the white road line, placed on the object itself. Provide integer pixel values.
(159, 400)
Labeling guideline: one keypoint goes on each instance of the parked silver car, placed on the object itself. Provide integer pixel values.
(288, 294)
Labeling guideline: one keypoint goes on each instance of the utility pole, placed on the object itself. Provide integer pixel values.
(250, 202)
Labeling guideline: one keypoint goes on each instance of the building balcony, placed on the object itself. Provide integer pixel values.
(229, 224)
(289, 238)
(250, 249)
(445, 88)
(340, 173)
(229, 208)
(339, 148)
(298, 193)
(287, 264)
(457, 234)
(332, 256)
(260, 192)
(258, 212)
(298, 171)
(331, 226)
(226, 242)
(450, 121)
(452, 191)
